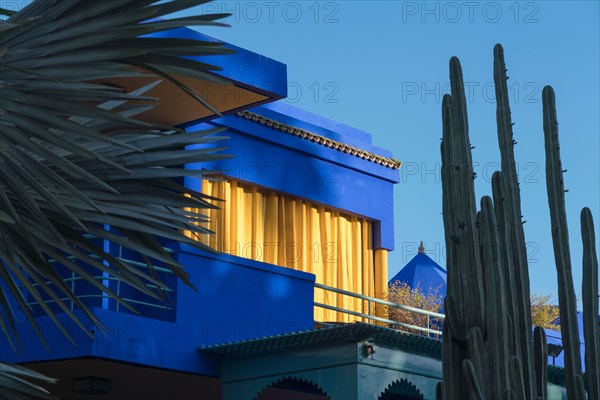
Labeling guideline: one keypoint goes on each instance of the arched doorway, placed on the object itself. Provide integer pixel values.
(401, 389)
(292, 389)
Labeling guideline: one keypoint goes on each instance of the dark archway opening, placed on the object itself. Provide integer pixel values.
(292, 389)
(401, 390)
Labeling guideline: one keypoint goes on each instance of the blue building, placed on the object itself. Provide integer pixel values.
(290, 305)
(424, 273)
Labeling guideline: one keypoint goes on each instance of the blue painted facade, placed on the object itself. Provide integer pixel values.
(273, 159)
(554, 337)
(237, 298)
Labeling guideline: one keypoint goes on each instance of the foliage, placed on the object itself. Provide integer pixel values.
(75, 158)
(402, 293)
(543, 312)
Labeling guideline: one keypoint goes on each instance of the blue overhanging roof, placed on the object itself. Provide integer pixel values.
(424, 273)
(244, 68)
(245, 80)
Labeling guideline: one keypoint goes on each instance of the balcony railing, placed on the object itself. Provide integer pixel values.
(374, 310)
(91, 296)
(74, 279)
(433, 318)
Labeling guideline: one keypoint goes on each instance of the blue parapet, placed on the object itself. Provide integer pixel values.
(237, 299)
(242, 298)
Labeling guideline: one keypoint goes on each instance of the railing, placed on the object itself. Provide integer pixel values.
(100, 295)
(91, 296)
(369, 317)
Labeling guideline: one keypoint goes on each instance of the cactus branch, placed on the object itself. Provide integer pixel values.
(591, 330)
(560, 241)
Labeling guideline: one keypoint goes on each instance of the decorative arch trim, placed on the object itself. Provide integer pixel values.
(401, 386)
(292, 379)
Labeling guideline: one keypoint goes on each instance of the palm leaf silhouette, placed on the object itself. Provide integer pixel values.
(74, 158)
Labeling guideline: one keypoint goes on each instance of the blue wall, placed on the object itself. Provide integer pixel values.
(237, 299)
(555, 337)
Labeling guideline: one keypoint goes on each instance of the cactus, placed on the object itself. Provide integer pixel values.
(591, 330)
(540, 351)
(489, 351)
(495, 303)
(488, 333)
(560, 241)
(514, 233)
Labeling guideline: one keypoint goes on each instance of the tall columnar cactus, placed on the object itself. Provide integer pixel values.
(497, 351)
(489, 351)
(487, 342)
(562, 256)
(516, 251)
(591, 330)
(540, 351)
(460, 221)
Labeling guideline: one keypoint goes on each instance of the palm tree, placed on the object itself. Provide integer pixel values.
(74, 158)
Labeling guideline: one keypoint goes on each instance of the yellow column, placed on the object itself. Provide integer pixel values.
(271, 229)
(258, 228)
(381, 280)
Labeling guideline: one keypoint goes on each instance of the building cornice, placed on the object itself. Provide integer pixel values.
(322, 140)
(350, 332)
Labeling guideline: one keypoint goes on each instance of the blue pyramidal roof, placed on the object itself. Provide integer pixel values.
(422, 271)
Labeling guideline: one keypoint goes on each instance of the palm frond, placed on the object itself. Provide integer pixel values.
(74, 159)
(7, 13)
(17, 382)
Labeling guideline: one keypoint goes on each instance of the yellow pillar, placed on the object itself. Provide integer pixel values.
(381, 280)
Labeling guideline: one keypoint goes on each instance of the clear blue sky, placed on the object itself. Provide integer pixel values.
(382, 66)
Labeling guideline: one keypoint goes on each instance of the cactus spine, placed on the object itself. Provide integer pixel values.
(489, 351)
